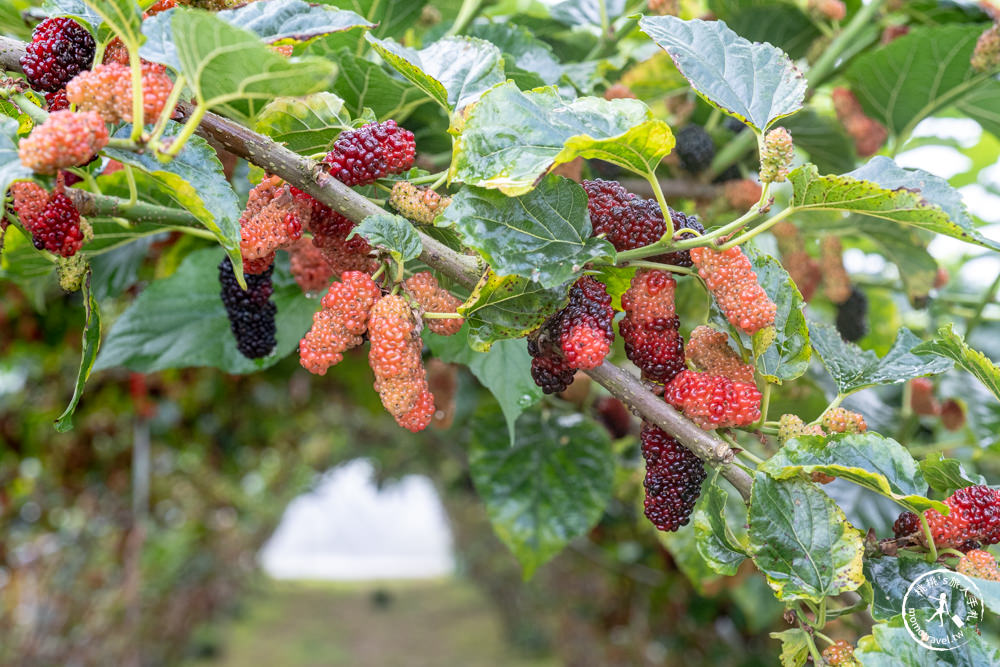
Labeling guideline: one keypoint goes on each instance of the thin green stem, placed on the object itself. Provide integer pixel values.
(860, 605)
(954, 553)
(168, 110)
(188, 130)
(124, 143)
(378, 272)
(133, 194)
(37, 114)
(654, 182)
(466, 14)
(932, 554)
(135, 65)
(440, 181)
(749, 455)
(429, 178)
(823, 637)
(765, 403)
(813, 651)
(441, 316)
(759, 229)
(977, 316)
(834, 404)
(643, 264)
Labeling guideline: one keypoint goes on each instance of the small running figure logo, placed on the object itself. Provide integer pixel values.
(942, 610)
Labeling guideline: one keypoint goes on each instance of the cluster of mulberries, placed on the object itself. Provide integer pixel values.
(986, 55)
(341, 323)
(107, 89)
(801, 266)
(922, 400)
(309, 268)
(713, 401)
(868, 134)
(60, 48)
(364, 155)
(578, 336)
(329, 234)
(979, 563)
(273, 219)
(400, 377)
(650, 326)
(673, 478)
(709, 350)
(433, 298)
(791, 426)
(840, 653)
(52, 220)
(836, 281)
(974, 518)
(776, 156)
(629, 222)
(695, 148)
(840, 420)
(65, 139)
(418, 204)
(251, 312)
(852, 316)
(732, 281)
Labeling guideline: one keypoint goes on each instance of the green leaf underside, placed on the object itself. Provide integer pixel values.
(714, 540)
(883, 189)
(802, 541)
(11, 168)
(853, 368)
(392, 233)
(292, 20)
(231, 70)
(507, 307)
(198, 183)
(551, 486)
(586, 12)
(952, 346)
(453, 71)
(916, 75)
(754, 82)
(180, 321)
(504, 369)
(305, 125)
(891, 645)
(544, 235)
(91, 345)
(867, 459)
(947, 475)
(513, 138)
(79, 9)
(788, 356)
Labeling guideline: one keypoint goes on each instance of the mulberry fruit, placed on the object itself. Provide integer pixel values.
(986, 55)
(712, 401)
(330, 231)
(364, 155)
(852, 316)
(72, 271)
(614, 415)
(65, 139)
(952, 415)
(694, 148)
(251, 312)
(650, 327)
(836, 282)
(107, 89)
(664, 7)
(673, 479)
(741, 193)
(272, 219)
(732, 281)
(791, 426)
(834, 10)
(310, 270)
(906, 524)
(340, 324)
(400, 378)
(975, 515)
(840, 420)
(868, 134)
(418, 204)
(60, 49)
(55, 225)
(420, 414)
(776, 156)
(56, 101)
(979, 563)
(922, 400)
(578, 336)
(804, 271)
(709, 350)
(424, 288)
(840, 653)
(619, 91)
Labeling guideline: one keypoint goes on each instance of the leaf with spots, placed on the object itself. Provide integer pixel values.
(508, 307)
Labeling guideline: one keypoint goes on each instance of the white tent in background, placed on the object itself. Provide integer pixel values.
(346, 529)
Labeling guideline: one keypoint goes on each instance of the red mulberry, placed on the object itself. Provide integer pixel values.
(868, 134)
(56, 101)
(364, 155)
(272, 219)
(730, 278)
(906, 524)
(673, 479)
(400, 378)
(650, 327)
(340, 324)
(712, 401)
(310, 270)
(54, 225)
(251, 312)
(65, 139)
(709, 350)
(952, 415)
(330, 231)
(922, 400)
(424, 288)
(60, 49)
(975, 515)
(107, 89)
